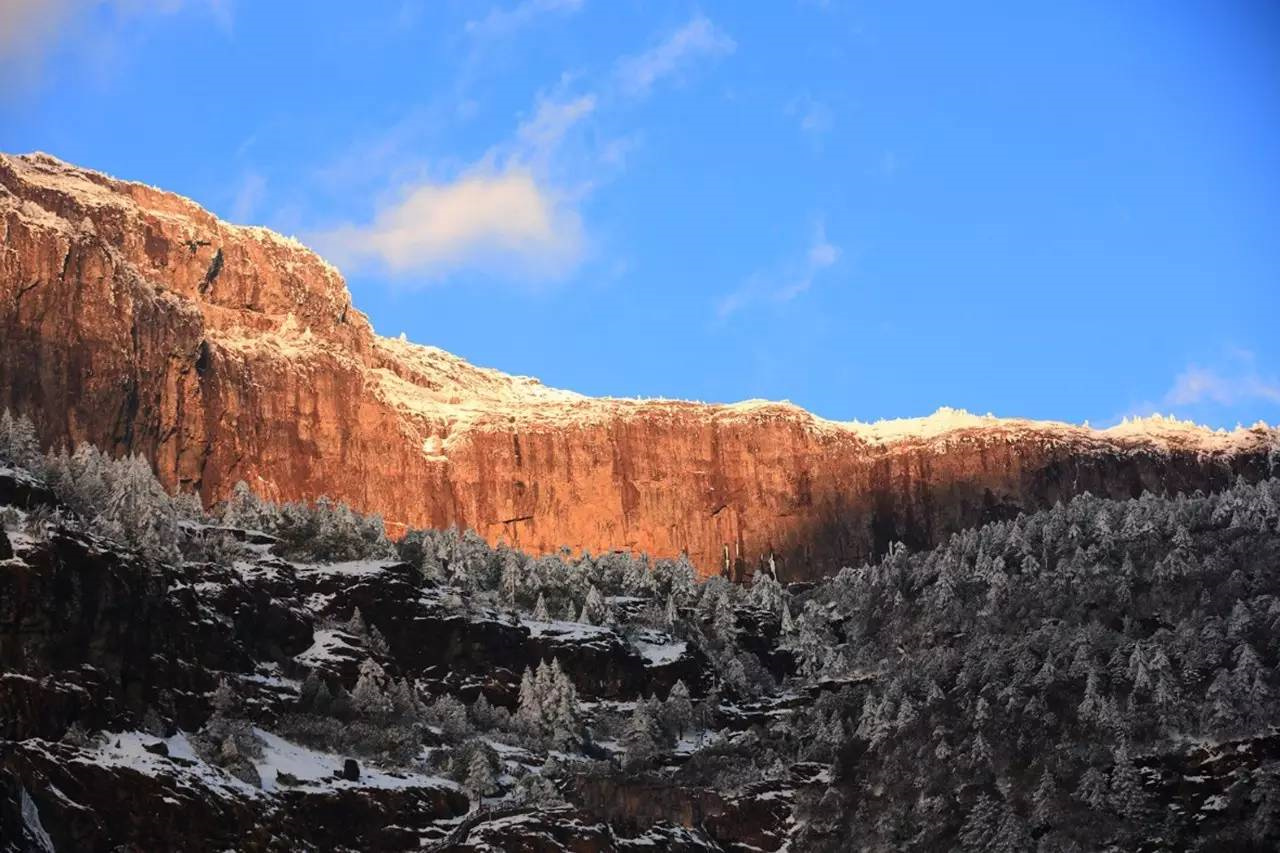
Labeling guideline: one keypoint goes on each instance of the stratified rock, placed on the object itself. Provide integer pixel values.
(134, 319)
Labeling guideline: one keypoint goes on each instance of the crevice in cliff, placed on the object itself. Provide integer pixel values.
(215, 267)
(203, 359)
(21, 292)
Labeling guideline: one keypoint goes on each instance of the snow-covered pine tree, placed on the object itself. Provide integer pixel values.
(678, 709)
(140, 511)
(1044, 802)
(671, 614)
(562, 712)
(528, 716)
(788, 626)
(594, 609)
(641, 737)
(18, 443)
(480, 781)
(981, 825)
(369, 697)
(1092, 789)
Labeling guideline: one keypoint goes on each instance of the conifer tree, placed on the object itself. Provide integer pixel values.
(678, 709)
(480, 782)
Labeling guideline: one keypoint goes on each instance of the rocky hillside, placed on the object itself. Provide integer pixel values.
(133, 319)
(1098, 676)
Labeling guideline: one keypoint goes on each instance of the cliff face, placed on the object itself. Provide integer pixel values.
(134, 319)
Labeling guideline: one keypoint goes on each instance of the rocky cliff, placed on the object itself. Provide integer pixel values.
(132, 318)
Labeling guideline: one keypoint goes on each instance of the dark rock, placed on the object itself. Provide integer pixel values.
(157, 748)
(351, 770)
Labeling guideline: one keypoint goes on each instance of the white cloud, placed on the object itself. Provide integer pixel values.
(505, 213)
(1231, 382)
(696, 39)
(504, 21)
(784, 284)
(494, 220)
(1197, 385)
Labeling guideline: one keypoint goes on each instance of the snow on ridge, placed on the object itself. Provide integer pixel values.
(327, 645)
(660, 654)
(310, 767)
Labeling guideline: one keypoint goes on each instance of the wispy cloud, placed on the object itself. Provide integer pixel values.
(698, 39)
(1197, 385)
(1229, 386)
(483, 218)
(815, 118)
(248, 198)
(516, 210)
(786, 282)
(504, 213)
(505, 20)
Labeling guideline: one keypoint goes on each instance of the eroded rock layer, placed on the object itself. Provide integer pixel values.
(133, 318)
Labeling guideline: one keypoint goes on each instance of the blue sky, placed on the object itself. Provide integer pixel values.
(1048, 210)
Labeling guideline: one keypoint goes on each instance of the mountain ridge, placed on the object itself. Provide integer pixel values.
(137, 320)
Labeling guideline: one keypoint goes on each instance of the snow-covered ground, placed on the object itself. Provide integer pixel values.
(310, 767)
(563, 629)
(659, 649)
(352, 568)
(328, 645)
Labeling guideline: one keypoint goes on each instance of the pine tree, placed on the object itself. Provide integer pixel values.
(981, 825)
(139, 510)
(480, 782)
(1044, 802)
(6, 435)
(368, 697)
(671, 615)
(540, 612)
(562, 713)
(310, 687)
(640, 740)
(513, 572)
(356, 624)
(377, 643)
(1126, 795)
(1092, 789)
(1012, 835)
(594, 609)
(224, 700)
(19, 443)
(529, 705)
(243, 509)
(678, 709)
(534, 789)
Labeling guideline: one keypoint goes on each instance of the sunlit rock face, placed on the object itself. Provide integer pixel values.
(132, 318)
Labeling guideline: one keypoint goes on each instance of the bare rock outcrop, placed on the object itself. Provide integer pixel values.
(133, 318)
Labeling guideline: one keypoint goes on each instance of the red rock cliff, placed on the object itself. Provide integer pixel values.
(134, 319)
